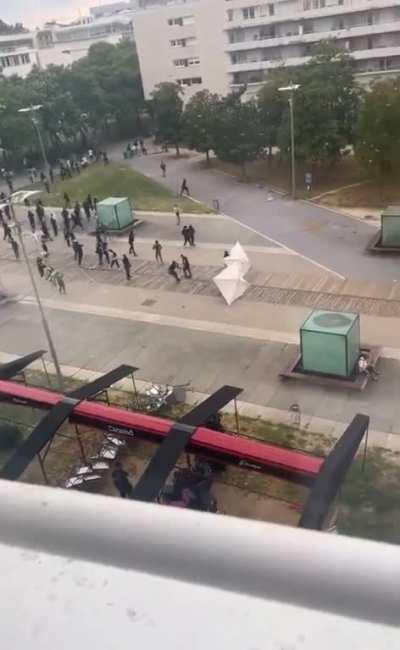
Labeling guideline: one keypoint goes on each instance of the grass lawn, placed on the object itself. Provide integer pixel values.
(118, 180)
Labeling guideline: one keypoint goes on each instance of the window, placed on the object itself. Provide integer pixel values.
(248, 12)
(271, 9)
(190, 81)
(25, 58)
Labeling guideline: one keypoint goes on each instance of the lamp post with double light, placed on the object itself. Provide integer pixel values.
(291, 89)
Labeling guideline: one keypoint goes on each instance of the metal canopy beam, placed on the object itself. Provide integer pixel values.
(332, 474)
(102, 383)
(12, 368)
(40, 436)
(165, 459)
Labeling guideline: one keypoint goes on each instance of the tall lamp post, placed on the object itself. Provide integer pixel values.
(14, 199)
(32, 110)
(291, 90)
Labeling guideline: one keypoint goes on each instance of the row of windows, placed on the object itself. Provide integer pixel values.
(268, 9)
(190, 81)
(14, 60)
(183, 42)
(184, 63)
(181, 20)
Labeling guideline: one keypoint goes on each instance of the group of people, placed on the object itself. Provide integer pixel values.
(132, 149)
(51, 274)
(103, 251)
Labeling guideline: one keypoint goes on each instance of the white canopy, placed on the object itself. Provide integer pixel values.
(238, 255)
(231, 283)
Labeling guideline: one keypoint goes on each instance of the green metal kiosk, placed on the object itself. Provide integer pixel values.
(115, 214)
(390, 226)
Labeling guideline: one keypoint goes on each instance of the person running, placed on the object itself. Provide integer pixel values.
(105, 252)
(121, 481)
(177, 215)
(157, 248)
(172, 270)
(187, 271)
(185, 188)
(31, 219)
(114, 259)
(54, 224)
(59, 279)
(131, 240)
(15, 247)
(191, 234)
(40, 266)
(99, 251)
(185, 235)
(127, 266)
(163, 168)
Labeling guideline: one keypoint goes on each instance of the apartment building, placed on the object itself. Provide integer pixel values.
(17, 54)
(237, 42)
(183, 42)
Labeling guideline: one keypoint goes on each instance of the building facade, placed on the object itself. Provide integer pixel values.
(226, 43)
(18, 54)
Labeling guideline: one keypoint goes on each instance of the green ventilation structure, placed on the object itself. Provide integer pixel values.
(115, 213)
(390, 226)
(330, 343)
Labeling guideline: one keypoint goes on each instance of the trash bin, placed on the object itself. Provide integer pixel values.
(180, 393)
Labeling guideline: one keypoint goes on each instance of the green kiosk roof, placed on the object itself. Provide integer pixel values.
(329, 322)
(391, 211)
(113, 200)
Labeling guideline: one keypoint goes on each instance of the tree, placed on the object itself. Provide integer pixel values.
(6, 29)
(199, 121)
(272, 106)
(238, 136)
(166, 106)
(378, 128)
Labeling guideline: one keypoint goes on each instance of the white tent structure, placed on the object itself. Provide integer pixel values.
(231, 282)
(238, 255)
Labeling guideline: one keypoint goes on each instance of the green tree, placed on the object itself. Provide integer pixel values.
(166, 106)
(378, 128)
(272, 106)
(238, 136)
(200, 120)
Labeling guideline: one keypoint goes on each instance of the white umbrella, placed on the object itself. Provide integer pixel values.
(238, 255)
(231, 283)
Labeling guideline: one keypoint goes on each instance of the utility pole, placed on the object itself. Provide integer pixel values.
(291, 89)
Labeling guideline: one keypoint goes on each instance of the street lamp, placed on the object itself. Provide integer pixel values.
(32, 110)
(17, 198)
(291, 89)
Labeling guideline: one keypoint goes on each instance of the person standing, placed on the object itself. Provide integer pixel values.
(67, 236)
(31, 219)
(163, 168)
(172, 270)
(51, 174)
(114, 259)
(59, 278)
(105, 252)
(127, 266)
(80, 253)
(177, 215)
(191, 234)
(77, 215)
(54, 224)
(185, 188)
(99, 251)
(15, 247)
(86, 209)
(75, 245)
(40, 266)
(157, 248)
(121, 481)
(67, 200)
(46, 185)
(185, 235)
(187, 271)
(131, 240)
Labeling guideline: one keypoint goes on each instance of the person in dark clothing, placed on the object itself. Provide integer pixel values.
(27, 202)
(131, 240)
(45, 231)
(127, 266)
(75, 248)
(185, 235)
(54, 224)
(172, 270)
(67, 236)
(114, 259)
(105, 252)
(39, 210)
(15, 247)
(89, 201)
(185, 188)
(42, 177)
(6, 231)
(157, 248)
(31, 218)
(7, 212)
(51, 174)
(44, 247)
(80, 254)
(121, 481)
(163, 168)
(95, 202)
(177, 215)
(86, 210)
(47, 186)
(10, 184)
(191, 234)
(77, 214)
(67, 200)
(99, 251)
(105, 158)
(65, 216)
(187, 271)
(40, 266)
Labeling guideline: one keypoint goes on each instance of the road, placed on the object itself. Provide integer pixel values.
(332, 239)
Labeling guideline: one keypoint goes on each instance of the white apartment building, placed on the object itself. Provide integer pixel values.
(18, 54)
(225, 43)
